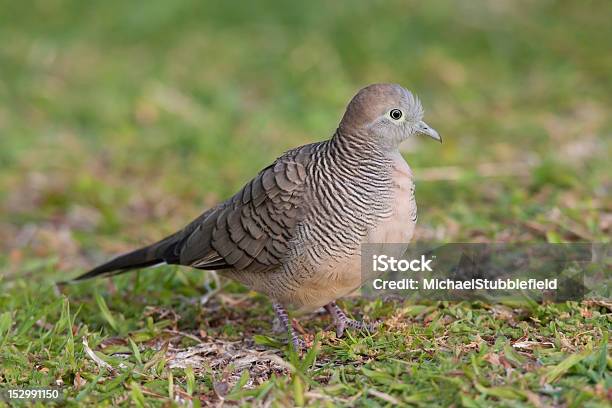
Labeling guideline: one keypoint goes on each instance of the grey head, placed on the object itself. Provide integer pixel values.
(386, 114)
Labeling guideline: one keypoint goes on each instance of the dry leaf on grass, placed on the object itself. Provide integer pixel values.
(530, 345)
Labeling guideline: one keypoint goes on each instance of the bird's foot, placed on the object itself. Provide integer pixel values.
(298, 343)
(277, 326)
(342, 321)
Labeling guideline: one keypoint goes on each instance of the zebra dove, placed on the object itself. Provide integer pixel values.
(294, 232)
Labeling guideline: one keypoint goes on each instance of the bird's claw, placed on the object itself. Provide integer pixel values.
(342, 321)
(298, 343)
(341, 325)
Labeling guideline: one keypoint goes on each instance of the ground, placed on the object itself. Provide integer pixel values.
(120, 122)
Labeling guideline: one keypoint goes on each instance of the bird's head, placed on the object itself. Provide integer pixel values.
(386, 114)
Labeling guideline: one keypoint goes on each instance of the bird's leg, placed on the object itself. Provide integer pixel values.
(277, 326)
(342, 321)
(283, 318)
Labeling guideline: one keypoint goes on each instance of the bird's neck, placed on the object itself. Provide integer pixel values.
(356, 145)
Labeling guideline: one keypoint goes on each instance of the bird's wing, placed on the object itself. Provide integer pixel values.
(252, 230)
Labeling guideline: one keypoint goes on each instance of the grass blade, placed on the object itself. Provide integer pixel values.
(106, 313)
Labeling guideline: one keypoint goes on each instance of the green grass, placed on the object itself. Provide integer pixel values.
(121, 121)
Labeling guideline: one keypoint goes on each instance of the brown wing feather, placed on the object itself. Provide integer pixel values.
(252, 229)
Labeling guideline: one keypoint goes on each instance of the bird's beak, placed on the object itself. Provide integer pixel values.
(424, 128)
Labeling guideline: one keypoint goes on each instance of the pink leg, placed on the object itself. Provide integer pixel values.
(342, 321)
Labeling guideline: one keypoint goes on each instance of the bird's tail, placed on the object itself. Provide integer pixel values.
(158, 253)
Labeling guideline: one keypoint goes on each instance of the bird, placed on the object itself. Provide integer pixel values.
(294, 232)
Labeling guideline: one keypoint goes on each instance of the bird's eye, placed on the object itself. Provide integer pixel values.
(395, 114)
